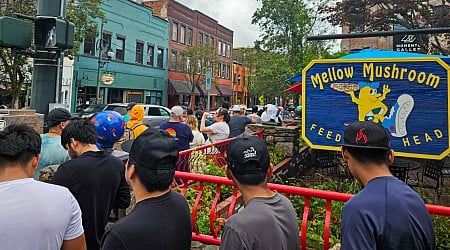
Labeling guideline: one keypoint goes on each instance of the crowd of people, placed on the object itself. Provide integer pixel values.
(72, 211)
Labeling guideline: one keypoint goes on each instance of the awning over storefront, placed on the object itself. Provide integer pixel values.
(297, 88)
(213, 91)
(225, 90)
(181, 87)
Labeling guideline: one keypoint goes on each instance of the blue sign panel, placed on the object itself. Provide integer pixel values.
(409, 97)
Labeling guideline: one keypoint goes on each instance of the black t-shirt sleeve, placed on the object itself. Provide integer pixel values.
(122, 199)
(110, 241)
(63, 177)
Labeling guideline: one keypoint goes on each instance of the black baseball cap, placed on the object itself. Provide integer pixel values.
(57, 116)
(366, 134)
(247, 155)
(131, 105)
(154, 149)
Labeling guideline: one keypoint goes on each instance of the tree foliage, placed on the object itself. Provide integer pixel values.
(194, 61)
(84, 13)
(16, 68)
(282, 50)
(377, 15)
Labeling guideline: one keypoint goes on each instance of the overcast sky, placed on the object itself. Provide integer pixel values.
(233, 14)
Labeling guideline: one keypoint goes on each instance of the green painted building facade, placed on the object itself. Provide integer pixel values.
(137, 68)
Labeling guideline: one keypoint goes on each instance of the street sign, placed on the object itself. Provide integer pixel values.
(208, 80)
(15, 32)
(409, 97)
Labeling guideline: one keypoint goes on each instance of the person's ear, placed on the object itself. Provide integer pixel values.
(391, 157)
(344, 154)
(35, 161)
(229, 173)
(269, 171)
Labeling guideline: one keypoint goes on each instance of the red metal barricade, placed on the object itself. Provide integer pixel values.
(219, 212)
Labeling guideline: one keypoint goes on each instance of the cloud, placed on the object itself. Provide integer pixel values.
(233, 14)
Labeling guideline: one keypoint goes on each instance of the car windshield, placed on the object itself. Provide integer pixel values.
(94, 108)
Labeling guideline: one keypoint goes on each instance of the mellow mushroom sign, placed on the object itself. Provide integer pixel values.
(409, 97)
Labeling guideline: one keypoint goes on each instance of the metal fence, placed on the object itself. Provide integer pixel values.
(222, 208)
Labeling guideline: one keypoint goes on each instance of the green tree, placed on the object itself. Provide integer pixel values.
(376, 15)
(84, 13)
(16, 68)
(194, 61)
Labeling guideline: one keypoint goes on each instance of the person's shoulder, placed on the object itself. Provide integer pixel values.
(51, 190)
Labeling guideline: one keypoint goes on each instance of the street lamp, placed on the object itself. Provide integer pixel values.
(101, 63)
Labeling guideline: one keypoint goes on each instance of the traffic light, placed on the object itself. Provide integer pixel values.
(15, 32)
(53, 33)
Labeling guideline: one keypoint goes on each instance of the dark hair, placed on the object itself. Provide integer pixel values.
(199, 114)
(255, 109)
(224, 112)
(225, 105)
(18, 143)
(81, 130)
(189, 111)
(369, 155)
(153, 180)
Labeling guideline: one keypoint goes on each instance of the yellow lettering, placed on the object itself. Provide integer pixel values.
(320, 132)
(416, 140)
(337, 138)
(421, 77)
(387, 72)
(324, 77)
(403, 73)
(315, 79)
(395, 72)
(349, 72)
(438, 133)
(313, 126)
(412, 75)
(433, 81)
(406, 142)
(368, 70)
(427, 137)
(329, 134)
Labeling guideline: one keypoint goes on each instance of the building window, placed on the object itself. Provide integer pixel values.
(150, 54)
(228, 71)
(224, 70)
(188, 63)
(228, 50)
(89, 46)
(139, 52)
(183, 34)
(120, 48)
(219, 48)
(160, 58)
(206, 39)
(223, 49)
(200, 38)
(173, 60)
(212, 42)
(219, 66)
(174, 31)
(190, 36)
(106, 46)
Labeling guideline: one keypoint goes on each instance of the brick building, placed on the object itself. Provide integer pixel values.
(190, 27)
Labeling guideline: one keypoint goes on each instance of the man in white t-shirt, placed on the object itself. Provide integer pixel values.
(33, 214)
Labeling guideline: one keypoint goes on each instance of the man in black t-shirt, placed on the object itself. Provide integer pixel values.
(95, 178)
(161, 217)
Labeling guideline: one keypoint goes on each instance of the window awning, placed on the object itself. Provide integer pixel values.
(213, 91)
(181, 87)
(225, 90)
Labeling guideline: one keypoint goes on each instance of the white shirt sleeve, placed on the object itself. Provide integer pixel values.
(75, 227)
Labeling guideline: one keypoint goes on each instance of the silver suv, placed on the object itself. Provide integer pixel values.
(154, 115)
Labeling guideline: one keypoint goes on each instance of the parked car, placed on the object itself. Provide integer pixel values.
(154, 115)
(89, 111)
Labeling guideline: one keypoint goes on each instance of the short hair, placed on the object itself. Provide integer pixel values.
(224, 112)
(225, 105)
(369, 155)
(18, 144)
(81, 130)
(153, 179)
(255, 109)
